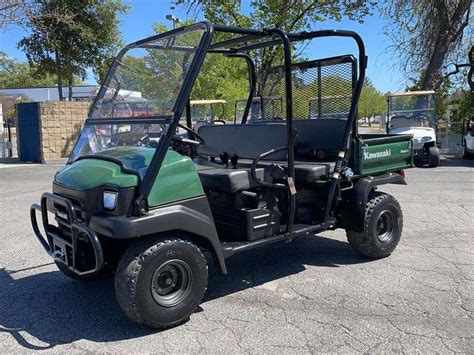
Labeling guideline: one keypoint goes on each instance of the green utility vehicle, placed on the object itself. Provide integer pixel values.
(138, 200)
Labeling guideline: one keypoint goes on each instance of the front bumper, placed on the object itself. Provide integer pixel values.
(71, 242)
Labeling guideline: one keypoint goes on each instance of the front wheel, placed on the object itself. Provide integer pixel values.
(433, 157)
(383, 226)
(160, 284)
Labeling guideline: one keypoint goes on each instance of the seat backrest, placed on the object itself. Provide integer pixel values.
(246, 141)
(324, 134)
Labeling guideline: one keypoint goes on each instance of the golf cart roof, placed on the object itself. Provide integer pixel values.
(412, 93)
(207, 102)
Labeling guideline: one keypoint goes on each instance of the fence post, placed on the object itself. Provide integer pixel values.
(2, 140)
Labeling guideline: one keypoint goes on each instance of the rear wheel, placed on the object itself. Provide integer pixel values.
(433, 157)
(383, 226)
(160, 284)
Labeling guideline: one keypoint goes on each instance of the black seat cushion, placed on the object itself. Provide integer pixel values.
(304, 171)
(227, 180)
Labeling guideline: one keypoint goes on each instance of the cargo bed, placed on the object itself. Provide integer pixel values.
(380, 153)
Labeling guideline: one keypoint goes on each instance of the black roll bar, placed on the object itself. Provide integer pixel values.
(141, 203)
(279, 36)
(346, 140)
(252, 82)
(289, 121)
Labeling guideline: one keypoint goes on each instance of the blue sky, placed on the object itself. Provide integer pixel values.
(137, 24)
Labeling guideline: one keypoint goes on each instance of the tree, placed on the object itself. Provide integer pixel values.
(19, 12)
(427, 34)
(372, 102)
(14, 74)
(291, 15)
(68, 48)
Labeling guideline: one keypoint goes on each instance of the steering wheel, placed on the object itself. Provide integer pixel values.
(193, 133)
(420, 117)
(187, 141)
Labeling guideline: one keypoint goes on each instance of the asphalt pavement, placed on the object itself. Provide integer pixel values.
(312, 295)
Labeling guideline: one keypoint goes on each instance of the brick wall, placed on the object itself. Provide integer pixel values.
(60, 125)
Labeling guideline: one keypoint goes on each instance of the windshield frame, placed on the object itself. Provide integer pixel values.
(177, 110)
(188, 80)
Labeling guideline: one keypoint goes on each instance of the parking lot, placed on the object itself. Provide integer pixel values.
(312, 295)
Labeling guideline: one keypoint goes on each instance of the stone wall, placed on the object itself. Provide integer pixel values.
(60, 125)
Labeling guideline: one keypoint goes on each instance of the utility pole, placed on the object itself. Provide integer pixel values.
(174, 19)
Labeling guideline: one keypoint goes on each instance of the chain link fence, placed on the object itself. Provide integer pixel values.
(450, 136)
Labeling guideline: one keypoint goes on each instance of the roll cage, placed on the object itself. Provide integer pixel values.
(240, 42)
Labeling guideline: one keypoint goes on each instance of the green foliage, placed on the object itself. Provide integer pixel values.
(291, 15)
(14, 74)
(372, 102)
(463, 106)
(157, 74)
(294, 15)
(67, 48)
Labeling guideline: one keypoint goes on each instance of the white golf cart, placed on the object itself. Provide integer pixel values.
(468, 139)
(204, 112)
(413, 112)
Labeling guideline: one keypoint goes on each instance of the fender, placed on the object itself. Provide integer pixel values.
(192, 216)
(353, 213)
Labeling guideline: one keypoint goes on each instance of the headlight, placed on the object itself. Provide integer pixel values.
(110, 200)
(426, 139)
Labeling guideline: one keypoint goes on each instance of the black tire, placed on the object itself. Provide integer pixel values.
(160, 284)
(383, 226)
(433, 157)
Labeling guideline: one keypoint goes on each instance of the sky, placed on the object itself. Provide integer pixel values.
(137, 24)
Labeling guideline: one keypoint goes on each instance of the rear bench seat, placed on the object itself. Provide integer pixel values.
(251, 140)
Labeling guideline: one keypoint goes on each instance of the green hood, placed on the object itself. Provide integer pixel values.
(86, 174)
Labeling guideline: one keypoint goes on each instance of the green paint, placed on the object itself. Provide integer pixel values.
(379, 157)
(177, 180)
(89, 173)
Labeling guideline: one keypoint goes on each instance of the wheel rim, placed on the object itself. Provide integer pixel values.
(386, 226)
(171, 283)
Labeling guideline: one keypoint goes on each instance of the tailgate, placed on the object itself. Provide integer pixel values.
(383, 153)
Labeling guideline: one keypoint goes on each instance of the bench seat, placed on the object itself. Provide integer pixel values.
(217, 178)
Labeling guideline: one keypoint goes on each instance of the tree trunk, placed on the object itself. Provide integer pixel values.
(59, 75)
(70, 82)
(447, 32)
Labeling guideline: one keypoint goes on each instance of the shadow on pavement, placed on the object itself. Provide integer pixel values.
(456, 161)
(57, 310)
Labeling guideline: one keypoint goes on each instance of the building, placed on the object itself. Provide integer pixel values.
(79, 93)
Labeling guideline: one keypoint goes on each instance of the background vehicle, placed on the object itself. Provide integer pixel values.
(207, 112)
(468, 139)
(273, 105)
(146, 209)
(414, 113)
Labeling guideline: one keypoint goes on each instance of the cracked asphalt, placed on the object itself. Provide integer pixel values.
(312, 295)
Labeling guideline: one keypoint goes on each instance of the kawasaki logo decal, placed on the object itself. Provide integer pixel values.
(382, 154)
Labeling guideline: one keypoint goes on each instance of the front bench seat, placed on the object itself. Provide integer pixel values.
(304, 171)
(227, 180)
